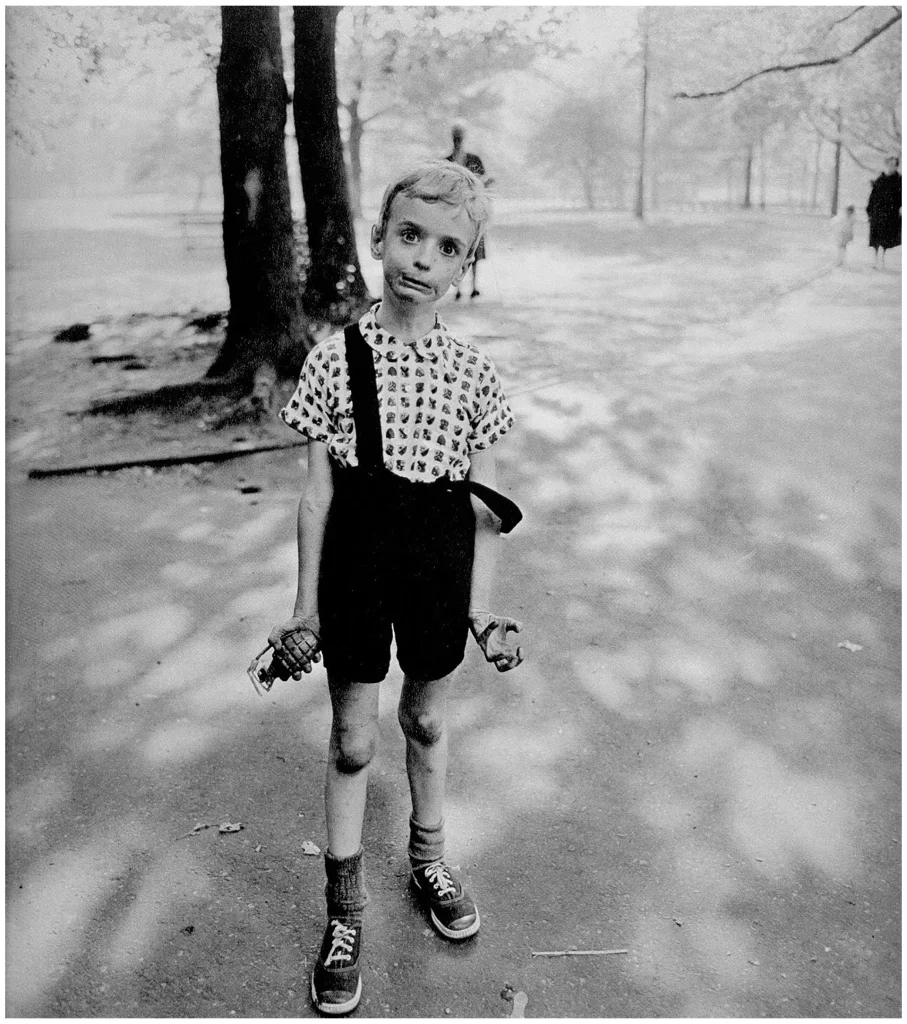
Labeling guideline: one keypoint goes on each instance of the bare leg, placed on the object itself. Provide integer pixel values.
(354, 740)
(423, 717)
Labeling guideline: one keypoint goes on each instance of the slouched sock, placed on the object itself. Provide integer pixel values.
(426, 843)
(345, 889)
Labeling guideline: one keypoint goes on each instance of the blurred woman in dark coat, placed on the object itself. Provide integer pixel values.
(884, 211)
(472, 162)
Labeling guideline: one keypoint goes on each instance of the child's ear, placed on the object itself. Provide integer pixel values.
(377, 243)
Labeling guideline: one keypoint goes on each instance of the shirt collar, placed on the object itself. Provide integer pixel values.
(433, 345)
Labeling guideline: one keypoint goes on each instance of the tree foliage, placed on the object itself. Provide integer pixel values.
(584, 143)
(835, 69)
(413, 70)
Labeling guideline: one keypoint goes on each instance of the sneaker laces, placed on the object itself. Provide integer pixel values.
(342, 942)
(440, 878)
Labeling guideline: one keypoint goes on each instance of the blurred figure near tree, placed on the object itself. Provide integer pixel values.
(842, 231)
(884, 211)
(472, 162)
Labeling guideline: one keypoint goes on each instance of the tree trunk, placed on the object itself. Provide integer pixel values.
(836, 172)
(265, 328)
(748, 179)
(639, 210)
(357, 130)
(817, 170)
(762, 174)
(335, 289)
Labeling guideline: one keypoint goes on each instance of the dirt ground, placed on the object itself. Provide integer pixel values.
(697, 769)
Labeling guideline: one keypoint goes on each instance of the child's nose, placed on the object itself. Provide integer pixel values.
(423, 258)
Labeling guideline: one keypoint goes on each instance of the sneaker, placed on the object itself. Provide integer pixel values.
(336, 982)
(452, 910)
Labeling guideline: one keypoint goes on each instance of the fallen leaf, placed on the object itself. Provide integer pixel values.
(852, 647)
(229, 826)
(310, 849)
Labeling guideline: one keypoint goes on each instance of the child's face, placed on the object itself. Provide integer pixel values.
(423, 250)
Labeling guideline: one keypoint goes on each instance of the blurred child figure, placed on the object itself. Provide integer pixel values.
(397, 534)
(842, 230)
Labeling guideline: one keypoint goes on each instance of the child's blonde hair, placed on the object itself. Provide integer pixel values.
(440, 181)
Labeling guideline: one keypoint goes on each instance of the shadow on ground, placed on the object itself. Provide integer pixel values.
(688, 767)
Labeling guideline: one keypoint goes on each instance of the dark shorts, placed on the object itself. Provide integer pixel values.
(397, 559)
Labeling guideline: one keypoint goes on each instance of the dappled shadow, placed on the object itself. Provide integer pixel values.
(687, 767)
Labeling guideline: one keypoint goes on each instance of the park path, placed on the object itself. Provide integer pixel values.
(689, 766)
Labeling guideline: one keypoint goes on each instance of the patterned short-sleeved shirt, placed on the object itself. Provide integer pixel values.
(439, 401)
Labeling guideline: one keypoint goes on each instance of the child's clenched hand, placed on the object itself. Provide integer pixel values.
(297, 645)
(491, 631)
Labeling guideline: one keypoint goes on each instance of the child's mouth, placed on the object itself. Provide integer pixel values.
(412, 282)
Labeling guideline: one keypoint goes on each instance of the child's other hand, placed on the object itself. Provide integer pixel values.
(296, 644)
(491, 631)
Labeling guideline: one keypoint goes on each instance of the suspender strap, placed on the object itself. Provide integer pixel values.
(364, 391)
(369, 445)
(506, 510)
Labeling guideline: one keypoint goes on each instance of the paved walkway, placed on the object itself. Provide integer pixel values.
(690, 767)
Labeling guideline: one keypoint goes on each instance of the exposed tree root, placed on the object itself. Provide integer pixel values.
(171, 397)
(252, 393)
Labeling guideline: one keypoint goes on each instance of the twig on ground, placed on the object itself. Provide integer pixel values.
(580, 952)
(198, 828)
(161, 461)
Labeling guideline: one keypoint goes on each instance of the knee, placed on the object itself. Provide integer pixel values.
(352, 750)
(423, 728)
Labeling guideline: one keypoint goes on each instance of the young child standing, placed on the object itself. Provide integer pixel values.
(396, 535)
(842, 230)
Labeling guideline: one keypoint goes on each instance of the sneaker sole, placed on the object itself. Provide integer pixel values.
(456, 936)
(337, 1009)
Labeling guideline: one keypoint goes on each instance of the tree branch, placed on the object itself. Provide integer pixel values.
(379, 113)
(835, 139)
(799, 66)
(840, 21)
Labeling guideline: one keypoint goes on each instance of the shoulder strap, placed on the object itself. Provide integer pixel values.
(364, 392)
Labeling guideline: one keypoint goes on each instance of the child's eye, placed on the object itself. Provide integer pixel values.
(449, 249)
(408, 235)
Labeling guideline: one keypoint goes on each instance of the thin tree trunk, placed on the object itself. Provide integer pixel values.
(335, 289)
(762, 174)
(265, 327)
(817, 169)
(748, 179)
(639, 209)
(836, 173)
